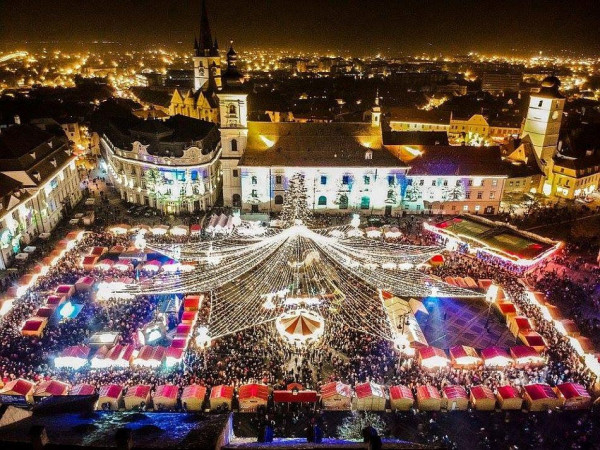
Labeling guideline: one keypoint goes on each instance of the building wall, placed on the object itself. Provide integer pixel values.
(39, 213)
(569, 183)
(373, 191)
(157, 182)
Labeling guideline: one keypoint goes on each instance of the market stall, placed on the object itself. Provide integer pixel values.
(192, 397)
(464, 357)
(455, 398)
(533, 339)
(165, 397)
(336, 396)
(82, 389)
(109, 397)
(428, 398)
(34, 327)
(369, 397)
(251, 396)
(19, 388)
(482, 398)
(509, 398)
(137, 396)
(401, 398)
(432, 358)
(51, 387)
(84, 284)
(220, 396)
(540, 397)
(496, 357)
(73, 357)
(526, 356)
(574, 396)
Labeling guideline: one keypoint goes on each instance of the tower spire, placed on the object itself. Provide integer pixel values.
(206, 42)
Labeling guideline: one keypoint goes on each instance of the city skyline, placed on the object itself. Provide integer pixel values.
(509, 28)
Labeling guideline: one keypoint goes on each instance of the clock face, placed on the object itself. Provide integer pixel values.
(555, 115)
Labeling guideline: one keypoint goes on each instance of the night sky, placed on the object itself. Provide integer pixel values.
(358, 26)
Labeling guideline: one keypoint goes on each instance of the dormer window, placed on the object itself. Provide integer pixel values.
(369, 154)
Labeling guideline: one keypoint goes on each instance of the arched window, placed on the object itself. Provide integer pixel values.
(344, 202)
(237, 200)
(322, 200)
(365, 203)
(234, 147)
(232, 109)
(279, 199)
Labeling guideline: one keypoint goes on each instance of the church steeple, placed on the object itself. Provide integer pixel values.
(206, 43)
(376, 111)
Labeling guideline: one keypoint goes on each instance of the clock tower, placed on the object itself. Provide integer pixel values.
(542, 124)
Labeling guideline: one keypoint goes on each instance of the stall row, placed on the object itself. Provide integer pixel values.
(333, 396)
(22, 285)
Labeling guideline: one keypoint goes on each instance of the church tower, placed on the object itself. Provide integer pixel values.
(207, 61)
(233, 112)
(542, 125)
(376, 112)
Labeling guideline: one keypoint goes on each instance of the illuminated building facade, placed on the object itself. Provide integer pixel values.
(39, 184)
(173, 165)
(350, 167)
(542, 125)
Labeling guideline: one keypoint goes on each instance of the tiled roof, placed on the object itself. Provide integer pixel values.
(315, 145)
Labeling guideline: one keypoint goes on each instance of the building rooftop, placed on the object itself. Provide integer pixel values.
(453, 160)
(287, 144)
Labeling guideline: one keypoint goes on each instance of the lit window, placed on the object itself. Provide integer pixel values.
(466, 208)
(492, 195)
(477, 207)
(494, 182)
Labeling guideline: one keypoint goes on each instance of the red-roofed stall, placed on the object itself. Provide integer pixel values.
(482, 398)
(401, 398)
(336, 396)
(540, 397)
(192, 302)
(84, 284)
(19, 387)
(508, 398)
(221, 395)
(533, 339)
(137, 396)
(495, 357)
(526, 356)
(165, 397)
(432, 357)
(51, 387)
(455, 398)
(464, 357)
(369, 397)
(574, 396)
(428, 398)
(251, 396)
(192, 397)
(82, 389)
(109, 397)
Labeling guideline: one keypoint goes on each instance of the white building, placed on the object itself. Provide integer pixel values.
(173, 166)
(39, 184)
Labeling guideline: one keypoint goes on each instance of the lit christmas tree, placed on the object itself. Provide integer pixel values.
(295, 202)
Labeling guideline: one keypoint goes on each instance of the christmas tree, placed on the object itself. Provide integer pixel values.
(295, 202)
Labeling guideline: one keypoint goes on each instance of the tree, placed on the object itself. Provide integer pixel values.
(352, 427)
(295, 202)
